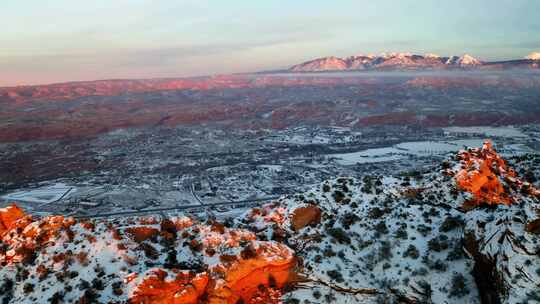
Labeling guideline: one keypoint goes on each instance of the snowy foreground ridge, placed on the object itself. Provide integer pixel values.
(467, 232)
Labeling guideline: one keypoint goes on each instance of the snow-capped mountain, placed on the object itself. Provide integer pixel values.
(533, 56)
(463, 61)
(325, 64)
(408, 61)
(465, 232)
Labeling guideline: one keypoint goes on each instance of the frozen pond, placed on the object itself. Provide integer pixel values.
(508, 131)
(44, 195)
(404, 150)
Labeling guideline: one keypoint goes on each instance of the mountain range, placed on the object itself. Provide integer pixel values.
(408, 61)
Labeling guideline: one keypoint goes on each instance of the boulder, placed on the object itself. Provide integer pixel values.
(305, 216)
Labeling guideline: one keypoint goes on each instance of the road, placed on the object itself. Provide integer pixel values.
(212, 215)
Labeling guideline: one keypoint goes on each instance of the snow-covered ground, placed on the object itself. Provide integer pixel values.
(304, 136)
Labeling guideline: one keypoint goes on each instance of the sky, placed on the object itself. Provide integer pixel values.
(66, 40)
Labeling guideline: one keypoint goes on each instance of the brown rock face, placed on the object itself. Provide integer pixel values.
(534, 226)
(305, 216)
(489, 282)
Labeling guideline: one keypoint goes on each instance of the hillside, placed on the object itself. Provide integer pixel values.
(82, 110)
(465, 232)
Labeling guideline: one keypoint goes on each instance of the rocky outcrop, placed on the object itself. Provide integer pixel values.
(502, 240)
(304, 216)
(181, 288)
(140, 260)
(484, 174)
(8, 217)
(416, 244)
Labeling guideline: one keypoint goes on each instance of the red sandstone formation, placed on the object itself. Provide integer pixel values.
(266, 265)
(486, 175)
(236, 267)
(183, 288)
(238, 277)
(8, 217)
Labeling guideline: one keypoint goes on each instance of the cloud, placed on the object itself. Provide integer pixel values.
(168, 61)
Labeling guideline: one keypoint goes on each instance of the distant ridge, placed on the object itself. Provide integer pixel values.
(408, 61)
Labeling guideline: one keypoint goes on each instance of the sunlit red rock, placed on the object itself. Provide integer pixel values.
(269, 213)
(261, 264)
(485, 175)
(161, 288)
(8, 217)
(32, 235)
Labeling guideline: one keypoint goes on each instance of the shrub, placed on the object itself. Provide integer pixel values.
(376, 213)
(451, 223)
(459, 286)
(411, 252)
(326, 188)
(457, 251)
(381, 228)
(339, 235)
(420, 272)
(439, 243)
(423, 229)
(385, 251)
(335, 275)
(425, 287)
(349, 219)
(338, 196)
(28, 287)
(401, 233)
(437, 265)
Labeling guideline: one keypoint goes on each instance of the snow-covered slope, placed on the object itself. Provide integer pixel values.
(463, 61)
(448, 236)
(321, 64)
(418, 240)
